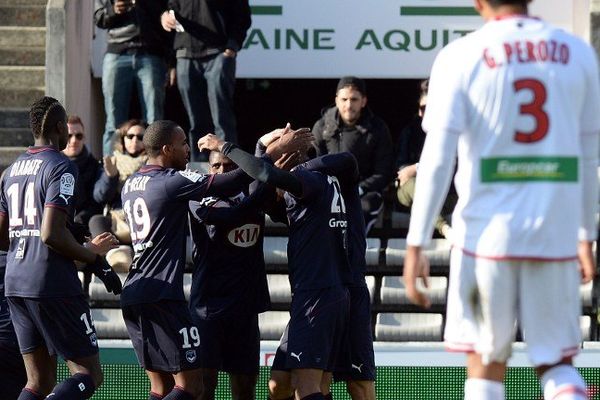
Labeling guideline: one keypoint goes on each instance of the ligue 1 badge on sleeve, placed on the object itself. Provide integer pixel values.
(67, 186)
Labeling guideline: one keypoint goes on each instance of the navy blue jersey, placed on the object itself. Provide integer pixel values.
(229, 267)
(318, 237)
(41, 177)
(342, 166)
(155, 201)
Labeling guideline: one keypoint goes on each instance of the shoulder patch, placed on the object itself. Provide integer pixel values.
(67, 186)
(191, 175)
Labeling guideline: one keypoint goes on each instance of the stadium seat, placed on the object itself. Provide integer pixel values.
(275, 249)
(372, 254)
(438, 252)
(279, 288)
(371, 286)
(409, 327)
(585, 323)
(587, 294)
(394, 292)
(272, 324)
(98, 292)
(109, 323)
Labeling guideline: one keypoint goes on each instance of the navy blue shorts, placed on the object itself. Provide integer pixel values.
(64, 325)
(163, 335)
(361, 363)
(230, 344)
(316, 330)
(12, 371)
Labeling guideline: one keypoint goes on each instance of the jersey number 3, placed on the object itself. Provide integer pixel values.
(535, 109)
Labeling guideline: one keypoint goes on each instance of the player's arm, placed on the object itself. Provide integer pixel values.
(230, 215)
(258, 168)
(341, 165)
(588, 229)
(433, 182)
(4, 240)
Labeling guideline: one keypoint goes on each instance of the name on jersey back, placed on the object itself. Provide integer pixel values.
(26, 167)
(524, 52)
(136, 183)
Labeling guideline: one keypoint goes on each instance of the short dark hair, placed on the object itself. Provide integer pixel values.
(157, 135)
(354, 82)
(424, 87)
(45, 112)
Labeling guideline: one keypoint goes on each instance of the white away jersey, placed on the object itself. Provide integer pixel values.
(520, 100)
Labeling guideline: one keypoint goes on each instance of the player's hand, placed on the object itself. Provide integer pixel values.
(587, 265)
(210, 142)
(268, 138)
(106, 274)
(168, 21)
(122, 6)
(110, 166)
(290, 141)
(416, 265)
(288, 161)
(102, 243)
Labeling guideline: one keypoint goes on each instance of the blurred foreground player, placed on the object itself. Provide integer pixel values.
(519, 100)
(48, 309)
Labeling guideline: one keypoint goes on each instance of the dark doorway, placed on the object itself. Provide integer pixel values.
(265, 104)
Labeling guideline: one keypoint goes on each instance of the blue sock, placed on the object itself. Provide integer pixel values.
(154, 396)
(314, 396)
(28, 394)
(178, 394)
(77, 387)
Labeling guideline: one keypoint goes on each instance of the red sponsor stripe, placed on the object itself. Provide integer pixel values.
(3, 213)
(570, 389)
(518, 258)
(570, 351)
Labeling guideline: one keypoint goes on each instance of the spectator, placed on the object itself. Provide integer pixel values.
(209, 36)
(137, 55)
(351, 126)
(412, 139)
(129, 156)
(88, 168)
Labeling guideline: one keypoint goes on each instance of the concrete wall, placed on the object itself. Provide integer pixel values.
(69, 34)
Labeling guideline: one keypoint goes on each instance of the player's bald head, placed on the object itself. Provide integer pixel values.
(158, 134)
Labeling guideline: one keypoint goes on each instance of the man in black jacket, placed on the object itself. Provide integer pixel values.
(209, 35)
(137, 54)
(351, 126)
(89, 170)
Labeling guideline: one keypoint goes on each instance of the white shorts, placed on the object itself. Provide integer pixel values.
(486, 298)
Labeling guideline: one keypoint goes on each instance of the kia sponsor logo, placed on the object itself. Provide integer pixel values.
(244, 236)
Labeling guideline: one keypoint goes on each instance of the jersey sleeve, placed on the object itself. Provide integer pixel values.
(3, 202)
(60, 192)
(311, 185)
(188, 185)
(590, 117)
(446, 99)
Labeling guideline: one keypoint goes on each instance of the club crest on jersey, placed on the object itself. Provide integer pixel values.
(20, 253)
(67, 186)
(244, 236)
(190, 356)
(94, 340)
(191, 175)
